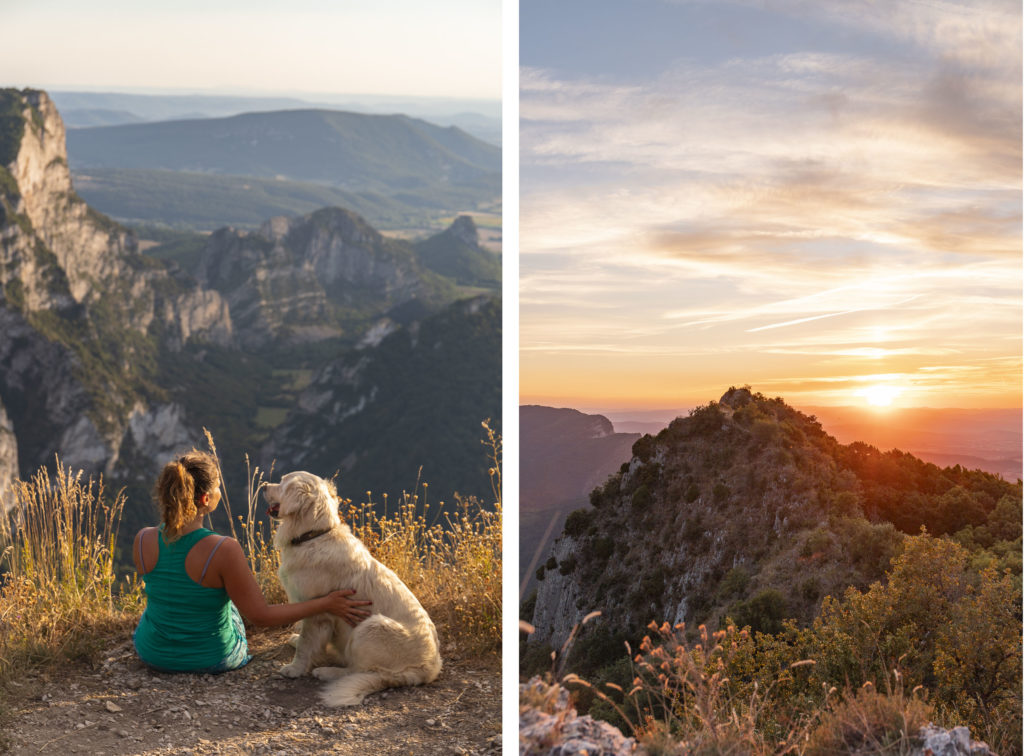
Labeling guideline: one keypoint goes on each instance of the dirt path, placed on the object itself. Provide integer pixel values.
(121, 707)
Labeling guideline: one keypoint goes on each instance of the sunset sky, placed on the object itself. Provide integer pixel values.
(822, 200)
(447, 48)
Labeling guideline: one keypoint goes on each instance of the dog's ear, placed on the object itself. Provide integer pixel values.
(296, 496)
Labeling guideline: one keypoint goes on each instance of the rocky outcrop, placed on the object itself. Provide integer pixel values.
(84, 316)
(302, 279)
(561, 601)
(936, 741)
(456, 252)
(413, 401)
(8, 459)
(88, 250)
(550, 726)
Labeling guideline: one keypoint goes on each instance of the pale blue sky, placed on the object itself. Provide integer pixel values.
(819, 199)
(445, 48)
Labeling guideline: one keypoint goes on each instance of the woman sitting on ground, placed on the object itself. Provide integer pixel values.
(194, 579)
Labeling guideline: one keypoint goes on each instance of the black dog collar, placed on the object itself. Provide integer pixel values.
(309, 535)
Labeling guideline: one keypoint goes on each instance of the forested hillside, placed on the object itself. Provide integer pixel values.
(748, 513)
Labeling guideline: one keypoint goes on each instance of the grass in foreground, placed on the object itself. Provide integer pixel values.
(61, 599)
(59, 596)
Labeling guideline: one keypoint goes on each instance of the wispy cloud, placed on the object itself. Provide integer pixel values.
(839, 207)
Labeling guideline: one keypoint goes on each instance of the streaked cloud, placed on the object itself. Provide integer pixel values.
(848, 206)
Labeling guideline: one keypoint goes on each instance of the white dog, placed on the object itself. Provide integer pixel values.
(395, 645)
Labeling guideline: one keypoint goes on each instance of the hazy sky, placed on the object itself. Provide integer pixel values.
(449, 48)
(822, 200)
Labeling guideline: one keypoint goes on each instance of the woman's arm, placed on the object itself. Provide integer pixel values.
(242, 588)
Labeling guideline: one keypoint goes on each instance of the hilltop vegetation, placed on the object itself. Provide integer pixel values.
(748, 513)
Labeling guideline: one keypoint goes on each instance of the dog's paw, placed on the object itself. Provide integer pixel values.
(292, 670)
(329, 673)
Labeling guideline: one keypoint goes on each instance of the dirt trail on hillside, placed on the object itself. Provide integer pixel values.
(122, 707)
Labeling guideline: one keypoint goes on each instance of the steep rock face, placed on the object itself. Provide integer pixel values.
(8, 458)
(312, 277)
(84, 316)
(362, 416)
(560, 597)
(87, 249)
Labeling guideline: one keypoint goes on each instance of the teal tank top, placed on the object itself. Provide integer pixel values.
(186, 627)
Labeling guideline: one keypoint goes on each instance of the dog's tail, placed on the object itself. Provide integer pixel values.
(352, 688)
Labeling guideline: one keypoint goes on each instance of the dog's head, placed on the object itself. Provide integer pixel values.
(303, 497)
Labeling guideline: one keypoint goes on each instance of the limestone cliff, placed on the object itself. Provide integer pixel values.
(8, 458)
(83, 315)
(412, 402)
(309, 278)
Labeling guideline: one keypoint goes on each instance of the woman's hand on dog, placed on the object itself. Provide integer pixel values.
(339, 603)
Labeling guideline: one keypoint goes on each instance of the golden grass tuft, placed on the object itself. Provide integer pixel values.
(453, 568)
(681, 700)
(868, 721)
(59, 596)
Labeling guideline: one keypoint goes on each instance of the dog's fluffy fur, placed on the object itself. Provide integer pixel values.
(396, 645)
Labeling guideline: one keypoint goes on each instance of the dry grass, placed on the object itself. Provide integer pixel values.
(59, 597)
(681, 700)
(868, 721)
(454, 566)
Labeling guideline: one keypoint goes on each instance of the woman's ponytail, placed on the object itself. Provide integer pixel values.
(180, 484)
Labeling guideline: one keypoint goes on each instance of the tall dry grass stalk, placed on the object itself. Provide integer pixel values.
(258, 541)
(58, 592)
(223, 488)
(869, 721)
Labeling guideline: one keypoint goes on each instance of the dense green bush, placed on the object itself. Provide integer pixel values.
(734, 583)
(641, 498)
(763, 612)
(576, 523)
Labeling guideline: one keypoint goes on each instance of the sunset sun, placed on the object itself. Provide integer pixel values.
(880, 396)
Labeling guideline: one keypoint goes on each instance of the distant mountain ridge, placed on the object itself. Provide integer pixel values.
(563, 455)
(347, 150)
(403, 173)
(481, 118)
